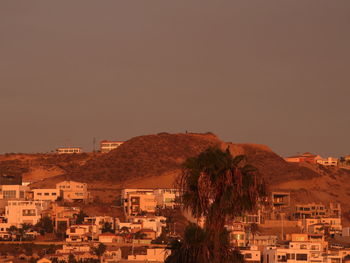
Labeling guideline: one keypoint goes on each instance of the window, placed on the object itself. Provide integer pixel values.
(39, 194)
(9, 194)
(290, 256)
(21, 194)
(47, 194)
(28, 212)
(313, 247)
(303, 246)
(53, 193)
(301, 257)
(248, 255)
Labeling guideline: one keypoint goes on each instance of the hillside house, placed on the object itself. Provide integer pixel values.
(63, 216)
(330, 161)
(138, 201)
(155, 223)
(13, 192)
(251, 254)
(310, 210)
(107, 146)
(112, 254)
(303, 158)
(152, 254)
(73, 191)
(69, 150)
(109, 238)
(79, 233)
(46, 194)
(29, 212)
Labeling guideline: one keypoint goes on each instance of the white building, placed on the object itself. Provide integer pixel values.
(29, 212)
(107, 146)
(251, 255)
(167, 198)
(69, 150)
(79, 233)
(73, 191)
(330, 161)
(46, 194)
(155, 223)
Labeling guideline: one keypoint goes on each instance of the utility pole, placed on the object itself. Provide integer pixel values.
(94, 144)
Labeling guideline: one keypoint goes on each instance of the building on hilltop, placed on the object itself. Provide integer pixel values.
(107, 146)
(302, 158)
(69, 150)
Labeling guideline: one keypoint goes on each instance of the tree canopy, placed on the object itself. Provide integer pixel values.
(216, 187)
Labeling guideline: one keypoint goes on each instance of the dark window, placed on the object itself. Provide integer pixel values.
(302, 257)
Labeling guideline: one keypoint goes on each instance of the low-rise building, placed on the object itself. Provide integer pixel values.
(20, 212)
(107, 146)
(46, 194)
(251, 254)
(112, 254)
(13, 192)
(152, 254)
(109, 238)
(69, 150)
(73, 191)
(330, 161)
(79, 233)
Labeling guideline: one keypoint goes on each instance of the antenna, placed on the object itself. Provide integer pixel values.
(94, 143)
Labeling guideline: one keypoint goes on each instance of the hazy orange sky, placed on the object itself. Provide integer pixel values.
(270, 72)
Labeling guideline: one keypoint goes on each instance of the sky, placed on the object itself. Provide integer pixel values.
(266, 72)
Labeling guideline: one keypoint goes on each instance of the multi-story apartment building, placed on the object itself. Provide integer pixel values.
(69, 150)
(138, 201)
(309, 210)
(19, 212)
(107, 146)
(73, 191)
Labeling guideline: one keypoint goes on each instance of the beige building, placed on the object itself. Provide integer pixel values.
(29, 212)
(73, 191)
(46, 194)
(330, 161)
(107, 146)
(138, 201)
(13, 192)
(69, 150)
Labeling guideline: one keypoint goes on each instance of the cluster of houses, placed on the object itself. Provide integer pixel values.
(105, 147)
(279, 231)
(317, 159)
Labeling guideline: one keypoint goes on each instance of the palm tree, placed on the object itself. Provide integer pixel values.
(216, 187)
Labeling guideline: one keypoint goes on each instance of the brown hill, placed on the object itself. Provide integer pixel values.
(144, 156)
(155, 161)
